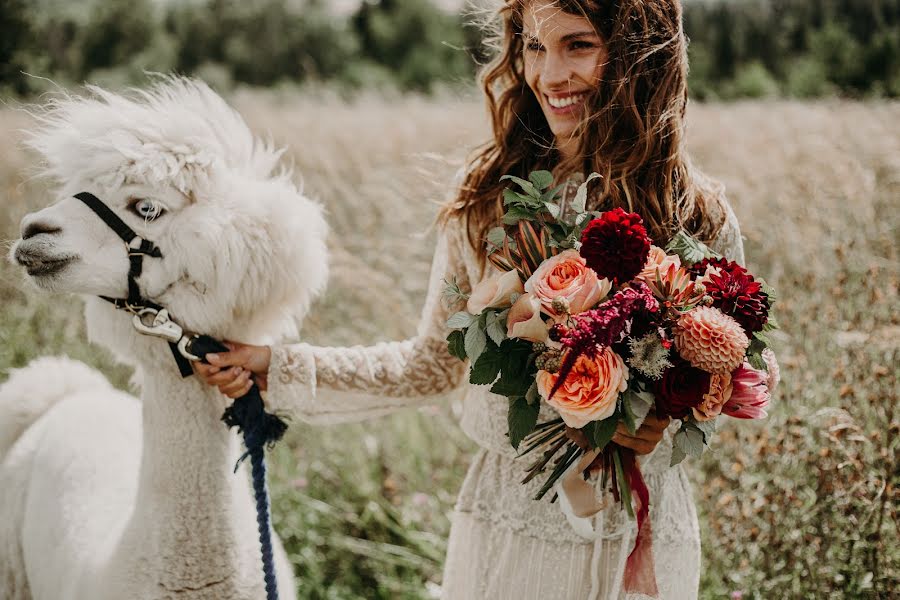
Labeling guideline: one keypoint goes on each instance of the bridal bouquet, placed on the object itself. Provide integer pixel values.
(589, 317)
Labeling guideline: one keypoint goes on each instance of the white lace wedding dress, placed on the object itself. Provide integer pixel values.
(503, 545)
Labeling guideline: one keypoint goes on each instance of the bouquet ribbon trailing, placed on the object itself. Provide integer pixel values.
(579, 503)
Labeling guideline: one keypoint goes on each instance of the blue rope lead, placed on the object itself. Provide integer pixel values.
(258, 469)
(260, 429)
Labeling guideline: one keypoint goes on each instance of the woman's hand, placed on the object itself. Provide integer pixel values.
(647, 436)
(644, 440)
(235, 372)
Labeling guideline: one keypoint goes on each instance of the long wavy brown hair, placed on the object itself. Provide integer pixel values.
(633, 135)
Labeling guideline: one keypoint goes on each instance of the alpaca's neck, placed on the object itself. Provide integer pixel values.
(190, 505)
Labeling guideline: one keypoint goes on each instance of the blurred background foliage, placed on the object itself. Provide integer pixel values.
(739, 48)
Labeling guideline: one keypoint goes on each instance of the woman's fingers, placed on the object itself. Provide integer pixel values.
(253, 358)
(238, 386)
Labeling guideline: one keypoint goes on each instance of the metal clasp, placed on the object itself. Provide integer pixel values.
(157, 323)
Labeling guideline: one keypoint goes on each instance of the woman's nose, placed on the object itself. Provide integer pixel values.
(557, 71)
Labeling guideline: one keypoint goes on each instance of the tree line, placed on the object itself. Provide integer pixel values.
(738, 48)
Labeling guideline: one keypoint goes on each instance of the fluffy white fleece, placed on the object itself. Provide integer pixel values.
(103, 496)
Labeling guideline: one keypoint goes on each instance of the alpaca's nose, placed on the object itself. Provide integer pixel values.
(31, 228)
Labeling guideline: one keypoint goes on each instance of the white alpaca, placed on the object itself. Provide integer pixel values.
(102, 496)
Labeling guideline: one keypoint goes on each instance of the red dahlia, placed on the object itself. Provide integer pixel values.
(681, 388)
(616, 245)
(735, 292)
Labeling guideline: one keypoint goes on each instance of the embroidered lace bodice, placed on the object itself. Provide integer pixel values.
(330, 385)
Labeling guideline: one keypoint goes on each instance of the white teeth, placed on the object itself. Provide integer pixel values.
(564, 102)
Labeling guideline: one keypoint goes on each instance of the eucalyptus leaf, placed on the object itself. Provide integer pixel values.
(553, 209)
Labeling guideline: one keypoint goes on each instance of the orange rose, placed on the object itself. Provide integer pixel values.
(567, 275)
(590, 390)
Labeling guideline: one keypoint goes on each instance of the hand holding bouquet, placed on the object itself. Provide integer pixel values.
(588, 316)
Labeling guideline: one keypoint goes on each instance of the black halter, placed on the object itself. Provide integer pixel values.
(138, 248)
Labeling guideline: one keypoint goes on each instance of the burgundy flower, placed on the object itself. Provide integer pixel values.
(616, 245)
(734, 291)
(681, 388)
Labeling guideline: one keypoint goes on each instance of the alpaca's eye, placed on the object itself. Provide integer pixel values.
(146, 209)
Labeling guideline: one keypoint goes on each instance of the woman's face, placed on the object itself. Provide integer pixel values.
(564, 61)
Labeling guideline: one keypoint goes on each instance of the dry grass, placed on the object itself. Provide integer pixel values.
(802, 505)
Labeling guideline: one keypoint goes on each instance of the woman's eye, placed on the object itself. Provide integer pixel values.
(147, 209)
(581, 45)
(533, 46)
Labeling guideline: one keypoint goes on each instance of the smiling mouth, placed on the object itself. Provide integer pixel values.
(565, 102)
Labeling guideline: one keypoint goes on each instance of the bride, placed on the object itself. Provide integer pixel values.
(578, 86)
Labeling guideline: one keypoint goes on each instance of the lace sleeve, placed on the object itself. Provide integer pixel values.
(729, 242)
(331, 385)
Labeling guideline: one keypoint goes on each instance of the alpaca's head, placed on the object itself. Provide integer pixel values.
(243, 249)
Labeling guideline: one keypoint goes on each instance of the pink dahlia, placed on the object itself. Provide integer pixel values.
(710, 340)
(749, 394)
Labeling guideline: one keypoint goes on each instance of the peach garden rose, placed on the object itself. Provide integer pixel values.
(590, 391)
(494, 292)
(567, 275)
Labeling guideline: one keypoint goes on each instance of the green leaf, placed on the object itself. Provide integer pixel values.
(526, 186)
(476, 342)
(495, 328)
(689, 439)
(496, 237)
(457, 344)
(516, 214)
(580, 201)
(677, 456)
(553, 209)
(532, 396)
(771, 323)
(510, 386)
(637, 404)
(511, 198)
(756, 361)
(690, 250)
(550, 195)
(486, 368)
(708, 428)
(603, 431)
(522, 418)
(768, 290)
(541, 179)
(461, 320)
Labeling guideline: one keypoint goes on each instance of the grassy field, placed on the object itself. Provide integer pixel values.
(803, 505)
